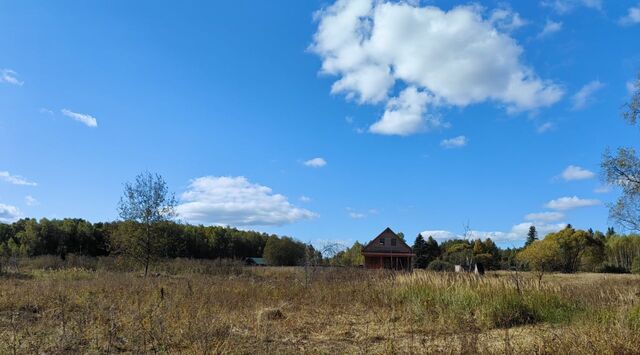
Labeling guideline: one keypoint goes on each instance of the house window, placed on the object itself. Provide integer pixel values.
(393, 242)
(381, 241)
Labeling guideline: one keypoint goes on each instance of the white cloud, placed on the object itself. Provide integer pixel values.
(550, 27)
(506, 20)
(517, 233)
(545, 127)
(353, 214)
(441, 235)
(305, 199)
(357, 215)
(9, 213)
(405, 114)
(584, 96)
(15, 179)
(632, 17)
(88, 120)
(10, 77)
(566, 6)
(573, 172)
(30, 201)
(457, 58)
(45, 110)
(457, 142)
(315, 162)
(545, 216)
(602, 189)
(567, 203)
(236, 201)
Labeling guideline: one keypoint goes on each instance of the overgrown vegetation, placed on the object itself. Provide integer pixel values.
(93, 305)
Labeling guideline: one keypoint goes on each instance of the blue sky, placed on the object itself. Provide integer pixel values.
(323, 120)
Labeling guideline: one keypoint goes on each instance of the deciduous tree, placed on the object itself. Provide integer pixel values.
(144, 205)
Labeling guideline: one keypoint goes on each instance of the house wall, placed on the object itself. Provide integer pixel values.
(387, 262)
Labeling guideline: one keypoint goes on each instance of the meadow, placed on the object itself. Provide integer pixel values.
(104, 305)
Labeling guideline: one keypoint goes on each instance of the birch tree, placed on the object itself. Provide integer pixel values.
(144, 204)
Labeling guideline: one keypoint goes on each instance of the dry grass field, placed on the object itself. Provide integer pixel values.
(97, 306)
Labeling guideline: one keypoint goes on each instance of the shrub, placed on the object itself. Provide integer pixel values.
(509, 309)
(439, 265)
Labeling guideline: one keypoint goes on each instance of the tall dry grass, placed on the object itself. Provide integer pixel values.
(216, 307)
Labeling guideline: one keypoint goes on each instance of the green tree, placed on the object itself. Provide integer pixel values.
(541, 256)
(420, 262)
(351, 256)
(532, 236)
(620, 251)
(426, 251)
(284, 251)
(145, 204)
(573, 245)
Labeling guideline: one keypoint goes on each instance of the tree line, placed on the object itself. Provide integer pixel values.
(31, 237)
(568, 250)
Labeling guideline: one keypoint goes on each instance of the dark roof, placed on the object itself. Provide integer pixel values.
(374, 246)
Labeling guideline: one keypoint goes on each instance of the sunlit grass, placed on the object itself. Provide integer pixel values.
(205, 307)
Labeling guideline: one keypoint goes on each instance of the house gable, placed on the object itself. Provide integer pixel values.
(387, 242)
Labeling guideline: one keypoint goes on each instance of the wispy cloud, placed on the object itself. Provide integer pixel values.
(305, 199)
(568, 203)
(354, 214)
(30, 201)
(456, 142)
(573, 172)
(550, 27)
(545, 127)
(316, 162)
(632, 17)
(15, 179)
(584, 96)
(88, 120)
(357, 215)
(545, 216)
(566, 6)
(10, 77)
(602, 189)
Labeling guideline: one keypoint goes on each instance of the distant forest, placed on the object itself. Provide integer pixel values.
(30, 237)
(568, 250)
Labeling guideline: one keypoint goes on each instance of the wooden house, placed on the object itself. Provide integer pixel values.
(387, 251)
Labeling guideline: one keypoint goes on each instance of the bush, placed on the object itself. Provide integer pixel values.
(439, 265)
(635, 266)
(508, 310)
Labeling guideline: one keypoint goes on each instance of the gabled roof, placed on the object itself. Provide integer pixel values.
(374, 246)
